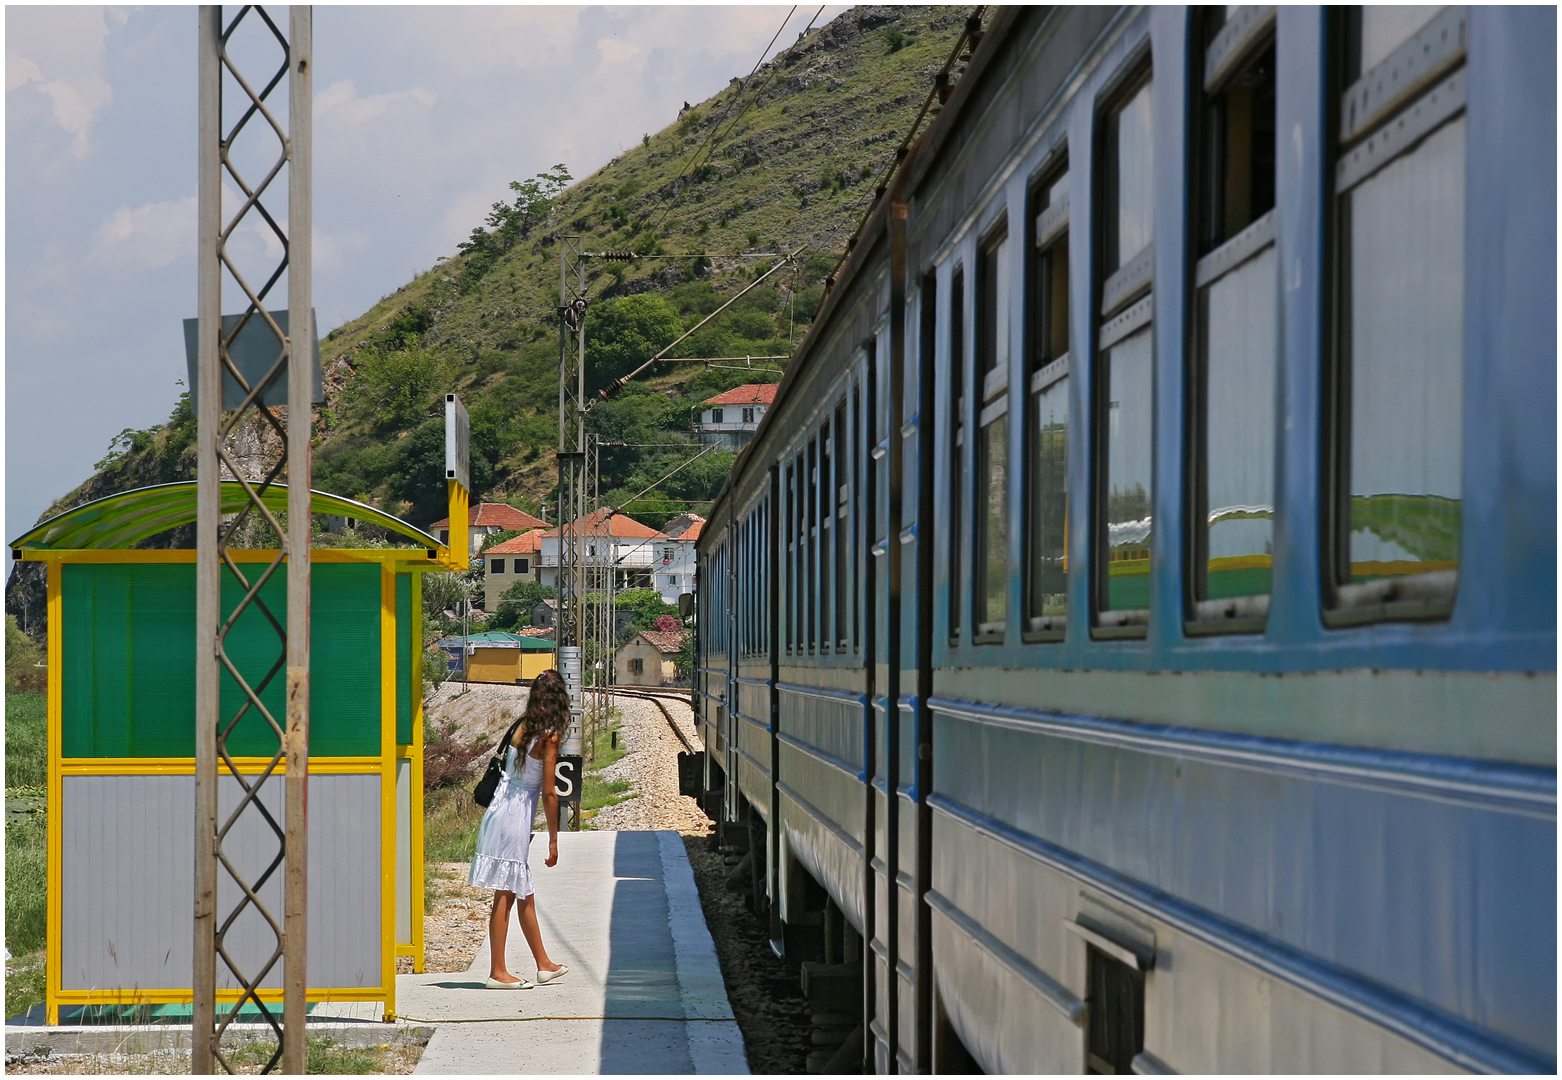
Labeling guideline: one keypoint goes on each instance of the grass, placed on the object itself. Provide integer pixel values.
(24, 984)
(597, 792)
(321, 1055)
(26, 749)
(26, 856)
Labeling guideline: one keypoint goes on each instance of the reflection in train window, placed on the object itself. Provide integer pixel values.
(1046, 441)
(957, 441)
(841, 510)
(827, 567)
(1123, 369)
(811, 548)
(1232, 366)
(1399, 374)
(990, 579)
(1129, 174)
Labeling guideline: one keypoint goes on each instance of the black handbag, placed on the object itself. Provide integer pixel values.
(483, 794)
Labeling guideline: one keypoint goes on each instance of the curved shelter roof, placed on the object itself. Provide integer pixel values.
(124, 520)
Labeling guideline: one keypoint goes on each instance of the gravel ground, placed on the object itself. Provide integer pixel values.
(651, 766)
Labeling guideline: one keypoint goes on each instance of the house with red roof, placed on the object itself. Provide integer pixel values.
(611, 541)
(517, 559)
(485, 519)
(730, 419)
(647, 659)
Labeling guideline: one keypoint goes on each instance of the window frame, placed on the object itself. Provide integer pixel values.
(1044, 368)
(992, 406)
(1241, 40)
(1432, 61)
(1121, 296)
(959, 383)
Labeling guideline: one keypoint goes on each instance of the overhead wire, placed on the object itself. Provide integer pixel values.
(667, 209)
(716, 125)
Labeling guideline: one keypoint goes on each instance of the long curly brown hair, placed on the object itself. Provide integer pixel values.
(547, 708)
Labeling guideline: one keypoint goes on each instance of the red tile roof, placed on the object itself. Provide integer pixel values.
(667, 643)
(685, 526)
(752, 394)
(528, 543)
(496, 516)
(617, 524)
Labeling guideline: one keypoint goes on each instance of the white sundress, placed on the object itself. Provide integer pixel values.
(504, 836)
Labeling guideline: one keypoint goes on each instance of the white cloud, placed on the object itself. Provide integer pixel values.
(340, 101)
(147, 237)
(60, 51)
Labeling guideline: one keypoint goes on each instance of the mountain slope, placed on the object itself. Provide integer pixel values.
(786, 159)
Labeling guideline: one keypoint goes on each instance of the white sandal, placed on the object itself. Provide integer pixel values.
(549, 976)
(519, 984)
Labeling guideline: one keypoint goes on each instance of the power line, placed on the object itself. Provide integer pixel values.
(667, 209)
(733, 101)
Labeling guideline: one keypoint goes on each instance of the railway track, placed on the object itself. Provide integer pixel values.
(660, 698)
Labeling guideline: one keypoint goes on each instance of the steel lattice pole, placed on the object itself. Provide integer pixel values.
(217, 368)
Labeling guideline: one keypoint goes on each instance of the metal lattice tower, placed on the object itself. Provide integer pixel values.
(574, 487)
(251, 126)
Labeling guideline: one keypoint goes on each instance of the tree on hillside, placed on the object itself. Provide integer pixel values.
(509, 223)
(624, 333)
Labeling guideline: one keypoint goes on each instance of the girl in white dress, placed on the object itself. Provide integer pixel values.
(505, 834)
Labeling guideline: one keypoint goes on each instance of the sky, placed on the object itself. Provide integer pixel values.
(422, 117)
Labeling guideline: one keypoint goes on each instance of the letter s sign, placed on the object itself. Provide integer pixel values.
(566, 778)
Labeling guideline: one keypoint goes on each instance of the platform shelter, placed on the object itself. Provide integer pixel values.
(121, 753)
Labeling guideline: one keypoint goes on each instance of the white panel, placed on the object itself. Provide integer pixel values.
(127, 881)
(403, 852)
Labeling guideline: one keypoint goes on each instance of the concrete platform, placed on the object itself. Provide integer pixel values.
(644, 993)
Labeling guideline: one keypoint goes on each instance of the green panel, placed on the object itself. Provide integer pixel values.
(128, 669)
(404, 633)
(344, 657)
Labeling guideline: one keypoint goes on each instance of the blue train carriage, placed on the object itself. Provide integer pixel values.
(1167, 448)
(121, 754)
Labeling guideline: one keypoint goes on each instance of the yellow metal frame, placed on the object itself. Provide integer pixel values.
(392, 562)
(177, 766)
(458, 555)
(388, 787)
(54, 871)
(418, 556)
(412, 561)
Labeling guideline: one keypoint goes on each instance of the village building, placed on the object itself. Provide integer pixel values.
(673, 572)
(517, 559)
(647, 659)
(730, 419)
(611, 540)
(486, 519)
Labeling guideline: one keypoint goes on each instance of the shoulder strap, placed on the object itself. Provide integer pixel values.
(504, 744)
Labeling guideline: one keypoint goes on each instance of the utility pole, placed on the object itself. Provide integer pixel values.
(572, 508)
(255, 121)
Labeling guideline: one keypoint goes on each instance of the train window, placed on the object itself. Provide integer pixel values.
(811, 549)
(1115, 1026)
(1396, 384)
(827, 568)
(791, 593)
(1046, 516)
(990, 569)
(859, 529)
(842, 491)
(1232, 365)
(957, 441)
(1124, 369)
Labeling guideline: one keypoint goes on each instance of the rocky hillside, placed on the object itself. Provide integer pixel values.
(787, 158)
